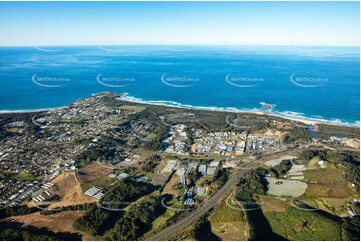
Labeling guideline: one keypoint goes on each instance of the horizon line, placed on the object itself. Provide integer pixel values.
(160, 45)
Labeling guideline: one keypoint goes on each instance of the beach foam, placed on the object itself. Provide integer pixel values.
(296, 116)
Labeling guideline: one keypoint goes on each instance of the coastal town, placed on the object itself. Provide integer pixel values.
(118, 141)
(180, 120)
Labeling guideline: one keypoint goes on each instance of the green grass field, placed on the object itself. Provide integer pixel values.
(161, 221)
(227, 214)
(329, 182)
(103, 181)
(13, 130)
(23, 177)
(295, 224)
(229, 224)
(231, 231)
(313, 162)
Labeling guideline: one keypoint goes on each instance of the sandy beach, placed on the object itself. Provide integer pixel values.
(267, 113)
(305, 121)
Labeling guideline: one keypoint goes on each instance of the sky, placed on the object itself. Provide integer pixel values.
(183, 23)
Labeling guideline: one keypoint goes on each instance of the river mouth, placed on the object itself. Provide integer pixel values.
(311, 130)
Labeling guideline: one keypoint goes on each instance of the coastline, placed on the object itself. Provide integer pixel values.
(31, 110)
(305, 120)
(127, 98)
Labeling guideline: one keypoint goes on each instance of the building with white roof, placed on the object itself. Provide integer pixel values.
(122, 176)
(214, 164)
(202, 169)
(170, 166)
(211, 171)
(201, 191)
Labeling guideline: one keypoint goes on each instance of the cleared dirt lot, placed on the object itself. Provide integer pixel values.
(92, 171)
(270, 132)
(70, 192)
(231, 231)
(59, 222)
(269, 204)
(66, 184)
(94, 174)
(229, 224)
(160, 178)
(353, 144)
(75, 197)
(168, 187)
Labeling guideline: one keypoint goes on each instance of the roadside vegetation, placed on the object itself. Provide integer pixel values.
(200, 230)
(136, 221)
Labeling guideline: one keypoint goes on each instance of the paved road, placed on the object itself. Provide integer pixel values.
(199, 212)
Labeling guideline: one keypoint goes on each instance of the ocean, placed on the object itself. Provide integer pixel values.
(317, 83)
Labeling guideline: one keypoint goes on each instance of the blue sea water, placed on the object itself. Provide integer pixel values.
(321, 83)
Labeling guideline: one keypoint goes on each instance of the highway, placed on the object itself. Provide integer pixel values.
(199, 212)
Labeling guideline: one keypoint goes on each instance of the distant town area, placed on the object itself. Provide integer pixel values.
(112, 169)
